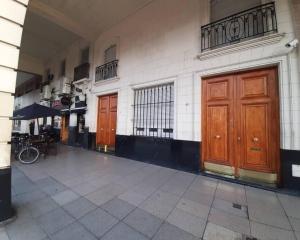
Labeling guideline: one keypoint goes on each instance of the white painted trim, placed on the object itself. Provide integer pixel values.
(159, 81)
(253, 43)
(106, 81)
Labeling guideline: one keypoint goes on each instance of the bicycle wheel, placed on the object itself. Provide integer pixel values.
(28, 155)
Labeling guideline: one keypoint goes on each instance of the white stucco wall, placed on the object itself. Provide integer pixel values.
(161, 43)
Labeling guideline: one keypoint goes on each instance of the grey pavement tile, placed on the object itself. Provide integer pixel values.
(231, 192)
(99, 197)
(55, 220)
(98, 222)
(3, 234)
(41, 207)
(215, 232)
(165, 197)
(133, 197)
(230, 221)
(75, 231)
(291, 205)
(262, 199)
(295, 223)
(143, 222)
(187, 222)
(26, 230)
(228, 207)
(194, 208)
(159, 209)
(200, 197)
(50, 186)
(171, 232)
(84, 188)
(79, 207)
(65, 197)
(29, 197)
(113, 189)
(271, 217)
(23, 185)
(264, 232)
(123, 232)
(118, 208)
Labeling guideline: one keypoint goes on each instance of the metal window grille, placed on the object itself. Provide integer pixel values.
(154, 111)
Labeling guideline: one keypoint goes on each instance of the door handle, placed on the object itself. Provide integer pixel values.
(239, 138)
(217, 136)
(113, 129)
(255, 139)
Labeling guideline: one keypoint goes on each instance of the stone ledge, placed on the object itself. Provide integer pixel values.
(257, 42)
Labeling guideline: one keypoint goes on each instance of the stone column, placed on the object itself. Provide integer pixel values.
(12, 15)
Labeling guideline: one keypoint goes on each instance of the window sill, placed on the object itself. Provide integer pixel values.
(256, 42)
(106, 81)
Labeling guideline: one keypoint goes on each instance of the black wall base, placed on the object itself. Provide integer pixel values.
(177, 154)
(90, 141)
(72, 136)
(6, 211)
(288, 158)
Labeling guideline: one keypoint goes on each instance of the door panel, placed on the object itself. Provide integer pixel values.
(113, 102)
(217, 112)
(217, 134)
(240, 121)
(107, 120)
(255, 132)
(258, 121)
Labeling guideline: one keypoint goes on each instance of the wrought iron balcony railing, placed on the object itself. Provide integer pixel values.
(107, 70)
(249, 24)
(82, 71)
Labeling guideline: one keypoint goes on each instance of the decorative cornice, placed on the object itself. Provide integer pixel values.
(253, 43)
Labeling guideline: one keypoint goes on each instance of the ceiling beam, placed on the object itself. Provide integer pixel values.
(59, 18)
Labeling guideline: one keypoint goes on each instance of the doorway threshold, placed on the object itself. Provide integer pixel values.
(251, 183)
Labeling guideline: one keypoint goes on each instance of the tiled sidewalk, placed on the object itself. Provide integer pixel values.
(85, 195)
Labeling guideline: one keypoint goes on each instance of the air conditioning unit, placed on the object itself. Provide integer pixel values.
(66, 86)
(46, 94)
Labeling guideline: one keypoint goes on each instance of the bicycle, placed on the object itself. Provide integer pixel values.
(28, 149)
(28, 154)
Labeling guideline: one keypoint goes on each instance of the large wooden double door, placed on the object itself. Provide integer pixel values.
(107, 120)
(240, 123)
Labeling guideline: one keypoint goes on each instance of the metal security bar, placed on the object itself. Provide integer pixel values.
(252, 23)
(106, 71)
(154, 111)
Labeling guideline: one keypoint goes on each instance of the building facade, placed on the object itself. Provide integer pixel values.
(197, 85)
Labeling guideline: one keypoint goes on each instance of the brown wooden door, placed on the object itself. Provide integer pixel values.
(257, 121)
(218, 113)
(64, 130)
(240, 122)
(107, 120)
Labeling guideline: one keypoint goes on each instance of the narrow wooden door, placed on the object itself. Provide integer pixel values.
(107, 120)
(64, 130)
(240, 121)
(217, 118)
(257, 121)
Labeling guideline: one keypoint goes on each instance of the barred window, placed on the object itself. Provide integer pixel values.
(154, 111)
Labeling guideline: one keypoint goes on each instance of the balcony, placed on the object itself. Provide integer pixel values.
(252, 23)
(107, 71)
(82, 72)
